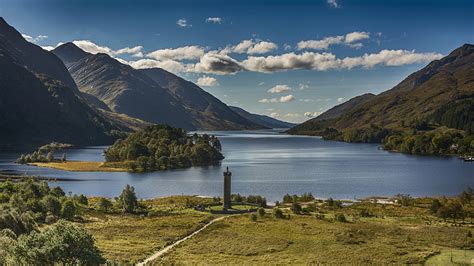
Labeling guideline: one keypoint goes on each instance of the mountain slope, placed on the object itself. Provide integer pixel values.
(445, 82)
(342, 108)
(262, 120)
(152, 95)
(36, 105)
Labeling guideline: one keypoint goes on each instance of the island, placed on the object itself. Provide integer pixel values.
(157, 147)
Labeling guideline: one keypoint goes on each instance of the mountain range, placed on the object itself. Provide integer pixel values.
(441, 94)
(263, 120)
(72, 96)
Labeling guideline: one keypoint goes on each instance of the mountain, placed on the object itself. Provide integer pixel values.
(39, 101)
(442, 93)
(342, 108)
(262, 120)
(153, 95)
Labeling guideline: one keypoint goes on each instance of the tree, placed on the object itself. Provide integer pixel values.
(58, 192)
(52, 205)
(253, 217)
(466, 196)
(104, 204)
(62, 243)
(50, 156)
(278, 213)
(341, 218)
(435, 205)
(128, 199)
(296, 208)
(261, 212)
(82, 200)
(68, 210)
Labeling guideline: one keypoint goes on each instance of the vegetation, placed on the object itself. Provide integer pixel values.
(27, 206)
(162, 147)
(252, 199)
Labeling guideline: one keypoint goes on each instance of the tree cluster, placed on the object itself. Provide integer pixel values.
(252, 199)
(305, 197)
(459, 208)
(161, 147)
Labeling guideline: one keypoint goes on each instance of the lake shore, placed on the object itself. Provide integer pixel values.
(81, 166)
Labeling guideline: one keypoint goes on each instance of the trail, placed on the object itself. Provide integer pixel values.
(168, 248)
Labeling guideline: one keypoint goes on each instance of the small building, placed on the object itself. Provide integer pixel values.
(227, 189)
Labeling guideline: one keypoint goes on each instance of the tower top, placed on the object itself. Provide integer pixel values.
(227, 172)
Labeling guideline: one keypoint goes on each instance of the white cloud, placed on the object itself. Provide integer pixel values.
(261, 83)
(307, 100)
(356, 36)
(328, 61)
(183, 23)
(303, 86)
(274, 115)
(282, 99)
(177, 54)
(312, 114)
(48, 48)
(333, 3)
(34, 39)
(340, 99)
(215, 20)
(292, 115)
(287, 47)
(287, 98)
(207, 81)
(169, 65)
(349, 39)
(93, 48)
(251, 47)
(216, 63)
(279, 88)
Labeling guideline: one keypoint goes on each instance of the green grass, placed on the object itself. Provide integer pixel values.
(303, 239)
(459, 257)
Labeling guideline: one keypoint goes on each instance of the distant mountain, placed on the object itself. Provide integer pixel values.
(153, 95)
(262, 120)
(39, 101)
(440, 93)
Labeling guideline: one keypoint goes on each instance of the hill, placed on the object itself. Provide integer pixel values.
(262, 120)
(153, 95)
(440, 94)
(39, 101)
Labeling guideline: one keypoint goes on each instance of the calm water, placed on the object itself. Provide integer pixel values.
(272, 164)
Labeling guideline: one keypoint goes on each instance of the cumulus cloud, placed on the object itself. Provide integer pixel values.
(303, 86)
(279, 88)
(340, 99)
(251, 47)
(274, 115)
(183, 23)
(333, 3)
(94, 48)
(292, 115)
(207, 81)
(328, 61)
(169, 65)
(350, 39)
(180, 53)
(282, 99)
(34, 39)
(307, 100)
(218, 64)
(214, 20)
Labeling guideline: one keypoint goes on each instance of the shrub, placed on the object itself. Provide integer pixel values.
(62, 243)
(68, 210)
(278, 213)
(52, 204)
(341, 218)
(253, 217)
(261, 212)
(104, 204)
(296, 208)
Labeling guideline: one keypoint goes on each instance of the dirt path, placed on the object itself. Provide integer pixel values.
(168, 248)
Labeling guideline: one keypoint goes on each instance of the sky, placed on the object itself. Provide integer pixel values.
(291, 60)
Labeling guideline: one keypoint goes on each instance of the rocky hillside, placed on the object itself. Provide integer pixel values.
(39, 102)
(152, 95)
(439, 94)
(262, 120)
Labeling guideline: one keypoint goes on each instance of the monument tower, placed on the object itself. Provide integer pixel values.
(227, 189)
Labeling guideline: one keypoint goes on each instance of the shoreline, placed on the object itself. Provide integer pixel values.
(80, 166)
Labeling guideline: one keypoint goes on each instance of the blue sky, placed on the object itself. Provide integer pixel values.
(288, 59)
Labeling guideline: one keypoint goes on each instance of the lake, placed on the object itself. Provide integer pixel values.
(272, 164)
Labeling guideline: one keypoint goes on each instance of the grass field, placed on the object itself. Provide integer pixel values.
(79, 166)
(460, 257)
(399, 235)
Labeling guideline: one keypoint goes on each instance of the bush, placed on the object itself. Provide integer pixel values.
(62, 243)
(52, 205)
(278, 213)
(104, 204)
(341, 218)
(253, 217)
(68, 210)
(261, 212)
(296, 208)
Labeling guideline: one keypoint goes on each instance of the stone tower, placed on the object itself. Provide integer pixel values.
(227, 189)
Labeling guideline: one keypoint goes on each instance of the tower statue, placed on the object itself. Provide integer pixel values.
(227, 189)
